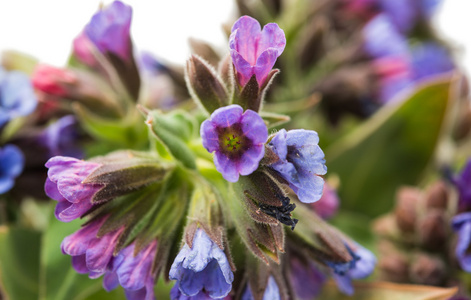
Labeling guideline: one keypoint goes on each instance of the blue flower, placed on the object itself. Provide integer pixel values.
(301, 272)
(300, 161)
(60, 138)
(430, 58)
(462, 224)
(272, 292)
(204, 266)
(362, 265)
(16, 95)
(11, 166)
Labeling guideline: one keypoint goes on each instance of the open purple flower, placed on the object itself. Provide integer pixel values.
(272, 291)
(462, 224)
(254, 51)
(16, 95)
(362, 265)
(109, 28)
(300, 161)
(91, 254)
(237, 139)
(11, 166)
(64, 184)
(202, 267)
(133, 272)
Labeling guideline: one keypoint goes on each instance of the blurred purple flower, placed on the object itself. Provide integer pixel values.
(302, 272)
(327, 206)
(300, 161)
(272, 292)
(82, 48)
(133, 272)
(462, 224)
(64, 184)
(91, 254)
(237, 139)
(60, 138)
(11, 166)
(361, 266)
(16, 95)
(109, 29)
(204, 266)
(430, 58)
(254, 51)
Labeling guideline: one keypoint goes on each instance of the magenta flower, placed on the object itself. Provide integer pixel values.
(64, 184)
(328, 205)
(109, 28)
(91, 254)
(254, 51)
(133, 272)
(237, 139)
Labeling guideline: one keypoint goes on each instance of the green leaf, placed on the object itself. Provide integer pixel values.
(391, 149)
(174, 131)
(19, 262)
(387, 291)
(15, 60)
(128, 132)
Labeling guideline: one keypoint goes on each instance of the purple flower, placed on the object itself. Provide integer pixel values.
(237, 139)
(428, 59)
(204, 266)
(16, 95)
(175, 294)
(300, 273)
(11, 165)
(133, 272)
(64, 184)
(254, 51)
(462, 224)
(91, 254)
(362, 265)
(60, 138)
(82, 47)
(109, 28)
(272, 292)
(300, 161)
(327, 206)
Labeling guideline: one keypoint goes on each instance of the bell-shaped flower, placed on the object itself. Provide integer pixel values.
(203, 267)
(237, 139)
(272, 291)
(133, 272)
(11, 166)
(65, 184)
(16, 95)
(300, 273)
(362, 265)
(91, 254)
(254, 51)
(300, 161)
(462, 224)
(176, 294)
(60, 137)
(109, 29)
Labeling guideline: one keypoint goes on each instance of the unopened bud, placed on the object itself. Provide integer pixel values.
(205, 85)
(205, 51)
(406, 206)
(437, 196)
(394, 267)
(432, 230)
(427, 269)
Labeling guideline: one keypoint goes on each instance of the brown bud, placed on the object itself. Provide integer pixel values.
(204, 50)
(394, 267)
(427, 269)
(437, 196)
(205, 85)
(432, 230)
(406, 205)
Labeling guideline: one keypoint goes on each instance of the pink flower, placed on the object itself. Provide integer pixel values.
(254, 51)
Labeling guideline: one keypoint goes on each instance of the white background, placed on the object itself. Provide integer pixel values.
(46, 28)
